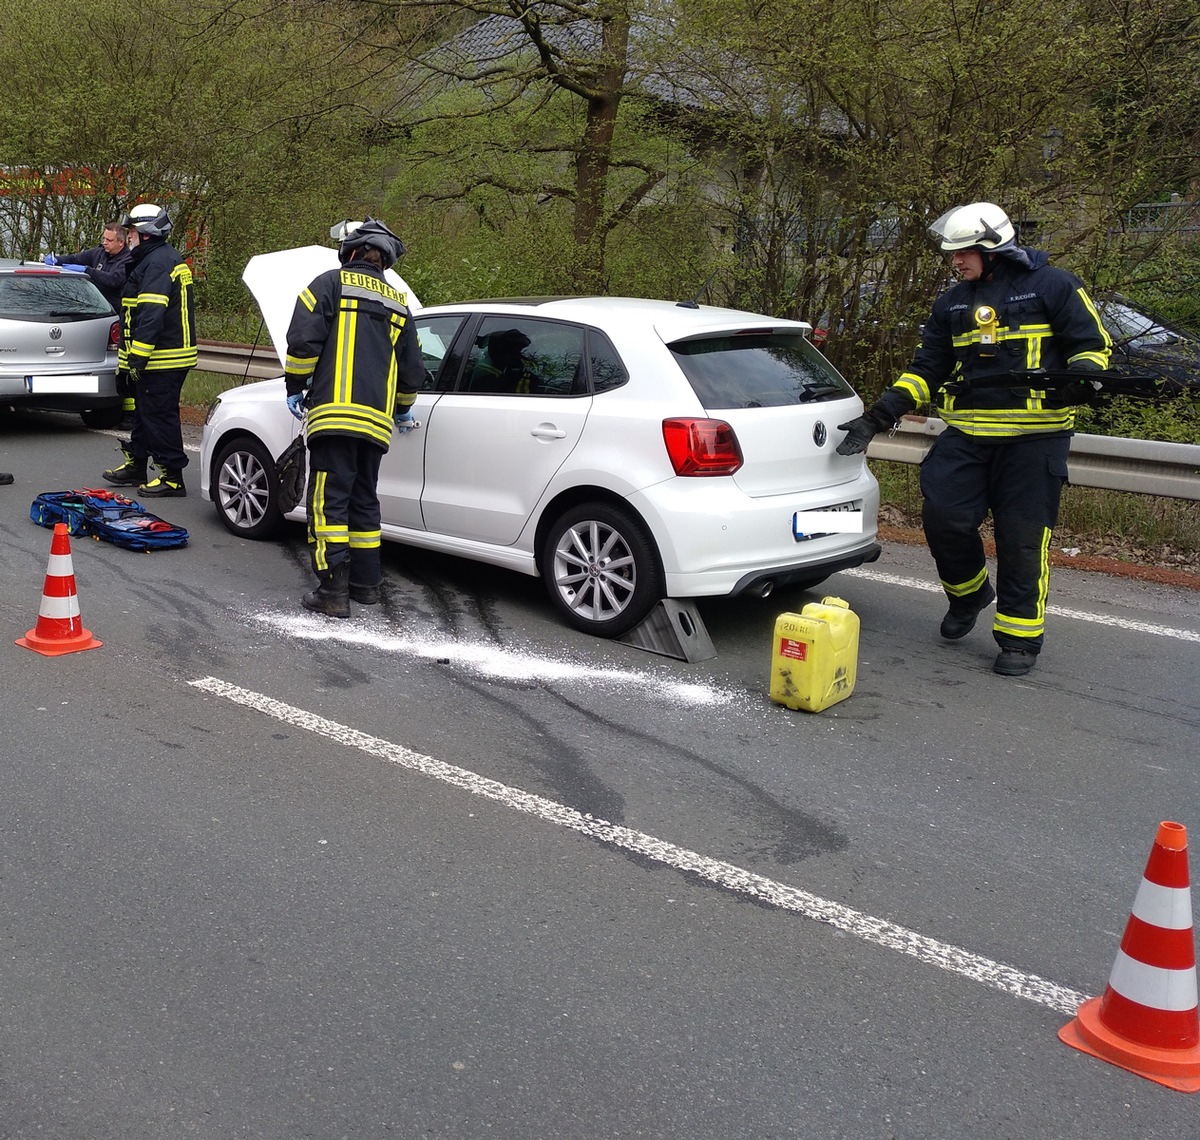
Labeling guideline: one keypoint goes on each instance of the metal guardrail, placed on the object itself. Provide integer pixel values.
(1144, 466)
(257, 361)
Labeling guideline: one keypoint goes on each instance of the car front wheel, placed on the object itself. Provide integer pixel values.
(601, 569)
(246, 488)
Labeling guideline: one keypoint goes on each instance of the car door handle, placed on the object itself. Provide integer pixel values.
(548, 431)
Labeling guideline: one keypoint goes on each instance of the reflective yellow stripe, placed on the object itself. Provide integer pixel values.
(998, 423)
(962, 589)
(915, 386)
(365, 539)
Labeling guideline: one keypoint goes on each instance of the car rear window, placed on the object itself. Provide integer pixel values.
(758, 370)
(50, 296)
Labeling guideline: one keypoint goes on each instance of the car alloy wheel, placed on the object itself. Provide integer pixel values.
(246, 488)
(601, 569)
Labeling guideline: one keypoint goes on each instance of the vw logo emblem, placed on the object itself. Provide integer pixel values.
(820, 435)
(56, 333)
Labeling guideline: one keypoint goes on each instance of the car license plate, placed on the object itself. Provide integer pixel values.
(845, 518)
(79, 385)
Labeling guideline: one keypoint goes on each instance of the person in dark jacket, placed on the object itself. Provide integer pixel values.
(1004, 449)
(158, 348)
(353, 361)
(107, 264)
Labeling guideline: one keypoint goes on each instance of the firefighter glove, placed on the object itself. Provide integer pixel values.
(73, 268)
(860, 431)
(295, 403)
(405, 421)
(50, 259)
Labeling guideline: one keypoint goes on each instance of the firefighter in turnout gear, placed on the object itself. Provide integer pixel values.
(158, 348)
(1004, 449)
(353, 361)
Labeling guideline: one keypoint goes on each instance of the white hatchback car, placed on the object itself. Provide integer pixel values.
(624, 450)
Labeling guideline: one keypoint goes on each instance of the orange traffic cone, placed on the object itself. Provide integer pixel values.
(1147, 1020)
(59, 626)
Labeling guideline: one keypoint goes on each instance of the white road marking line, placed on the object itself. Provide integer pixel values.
(879, 931)
(1059, 611)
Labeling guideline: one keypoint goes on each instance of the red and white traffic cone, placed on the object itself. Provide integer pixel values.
(59, 626)
(1147, 1020)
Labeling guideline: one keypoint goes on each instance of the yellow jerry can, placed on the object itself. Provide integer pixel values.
(815, 659)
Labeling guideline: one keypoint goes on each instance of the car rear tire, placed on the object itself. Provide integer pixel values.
(101, 418)
(246, 488)
(601, 569)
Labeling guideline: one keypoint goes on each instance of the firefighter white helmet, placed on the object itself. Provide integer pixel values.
(149, 220)
(981, 225)
(367, 234)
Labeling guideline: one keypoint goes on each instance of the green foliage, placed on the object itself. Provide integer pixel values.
(798, 157)
(1173, 421)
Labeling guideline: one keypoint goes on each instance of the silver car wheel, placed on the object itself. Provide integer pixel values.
(601, 568)
(246, 490)
(595, 572)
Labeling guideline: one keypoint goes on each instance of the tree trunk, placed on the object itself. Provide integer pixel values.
(595, 155)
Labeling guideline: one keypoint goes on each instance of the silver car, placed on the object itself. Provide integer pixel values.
(58, 343)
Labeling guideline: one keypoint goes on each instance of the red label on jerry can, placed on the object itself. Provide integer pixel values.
(796, 650)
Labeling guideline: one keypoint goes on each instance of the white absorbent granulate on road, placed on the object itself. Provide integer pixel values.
(487, 660)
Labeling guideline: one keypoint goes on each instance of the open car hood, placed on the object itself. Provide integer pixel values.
(275, 280)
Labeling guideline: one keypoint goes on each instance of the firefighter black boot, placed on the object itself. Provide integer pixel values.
(168, 484)
(332, 596)
(364, 595)
(130, 473)
(960, 618)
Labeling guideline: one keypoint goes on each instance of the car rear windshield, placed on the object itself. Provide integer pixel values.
(758, 370)
(56, 297)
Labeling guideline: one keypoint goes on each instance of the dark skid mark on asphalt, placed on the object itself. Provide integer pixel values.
(561, 766)
(789, 836)
(457, 608)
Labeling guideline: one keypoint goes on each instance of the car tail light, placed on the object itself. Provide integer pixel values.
(114, 335)
(701, 447)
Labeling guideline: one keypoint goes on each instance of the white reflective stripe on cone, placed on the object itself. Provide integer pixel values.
(1153, 986)
(59, 566)
(59, 608)
(1167, 907)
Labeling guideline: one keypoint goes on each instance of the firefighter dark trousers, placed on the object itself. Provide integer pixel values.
(1020, 480)
(157, 432)
(343, 507)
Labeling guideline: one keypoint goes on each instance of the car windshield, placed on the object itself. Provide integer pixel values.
(758, 369)
(1128, 326)
(50, 297)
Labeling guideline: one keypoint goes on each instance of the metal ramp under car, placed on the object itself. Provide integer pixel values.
(673, 629)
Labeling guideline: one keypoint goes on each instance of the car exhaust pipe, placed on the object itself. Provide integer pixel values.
(766, 589)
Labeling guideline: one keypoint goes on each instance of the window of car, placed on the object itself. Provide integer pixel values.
(512, 355)
(50, 296)
(758, 369)
(435, 335)
(607, 370)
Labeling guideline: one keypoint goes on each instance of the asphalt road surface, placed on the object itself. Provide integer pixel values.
(453, 870)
